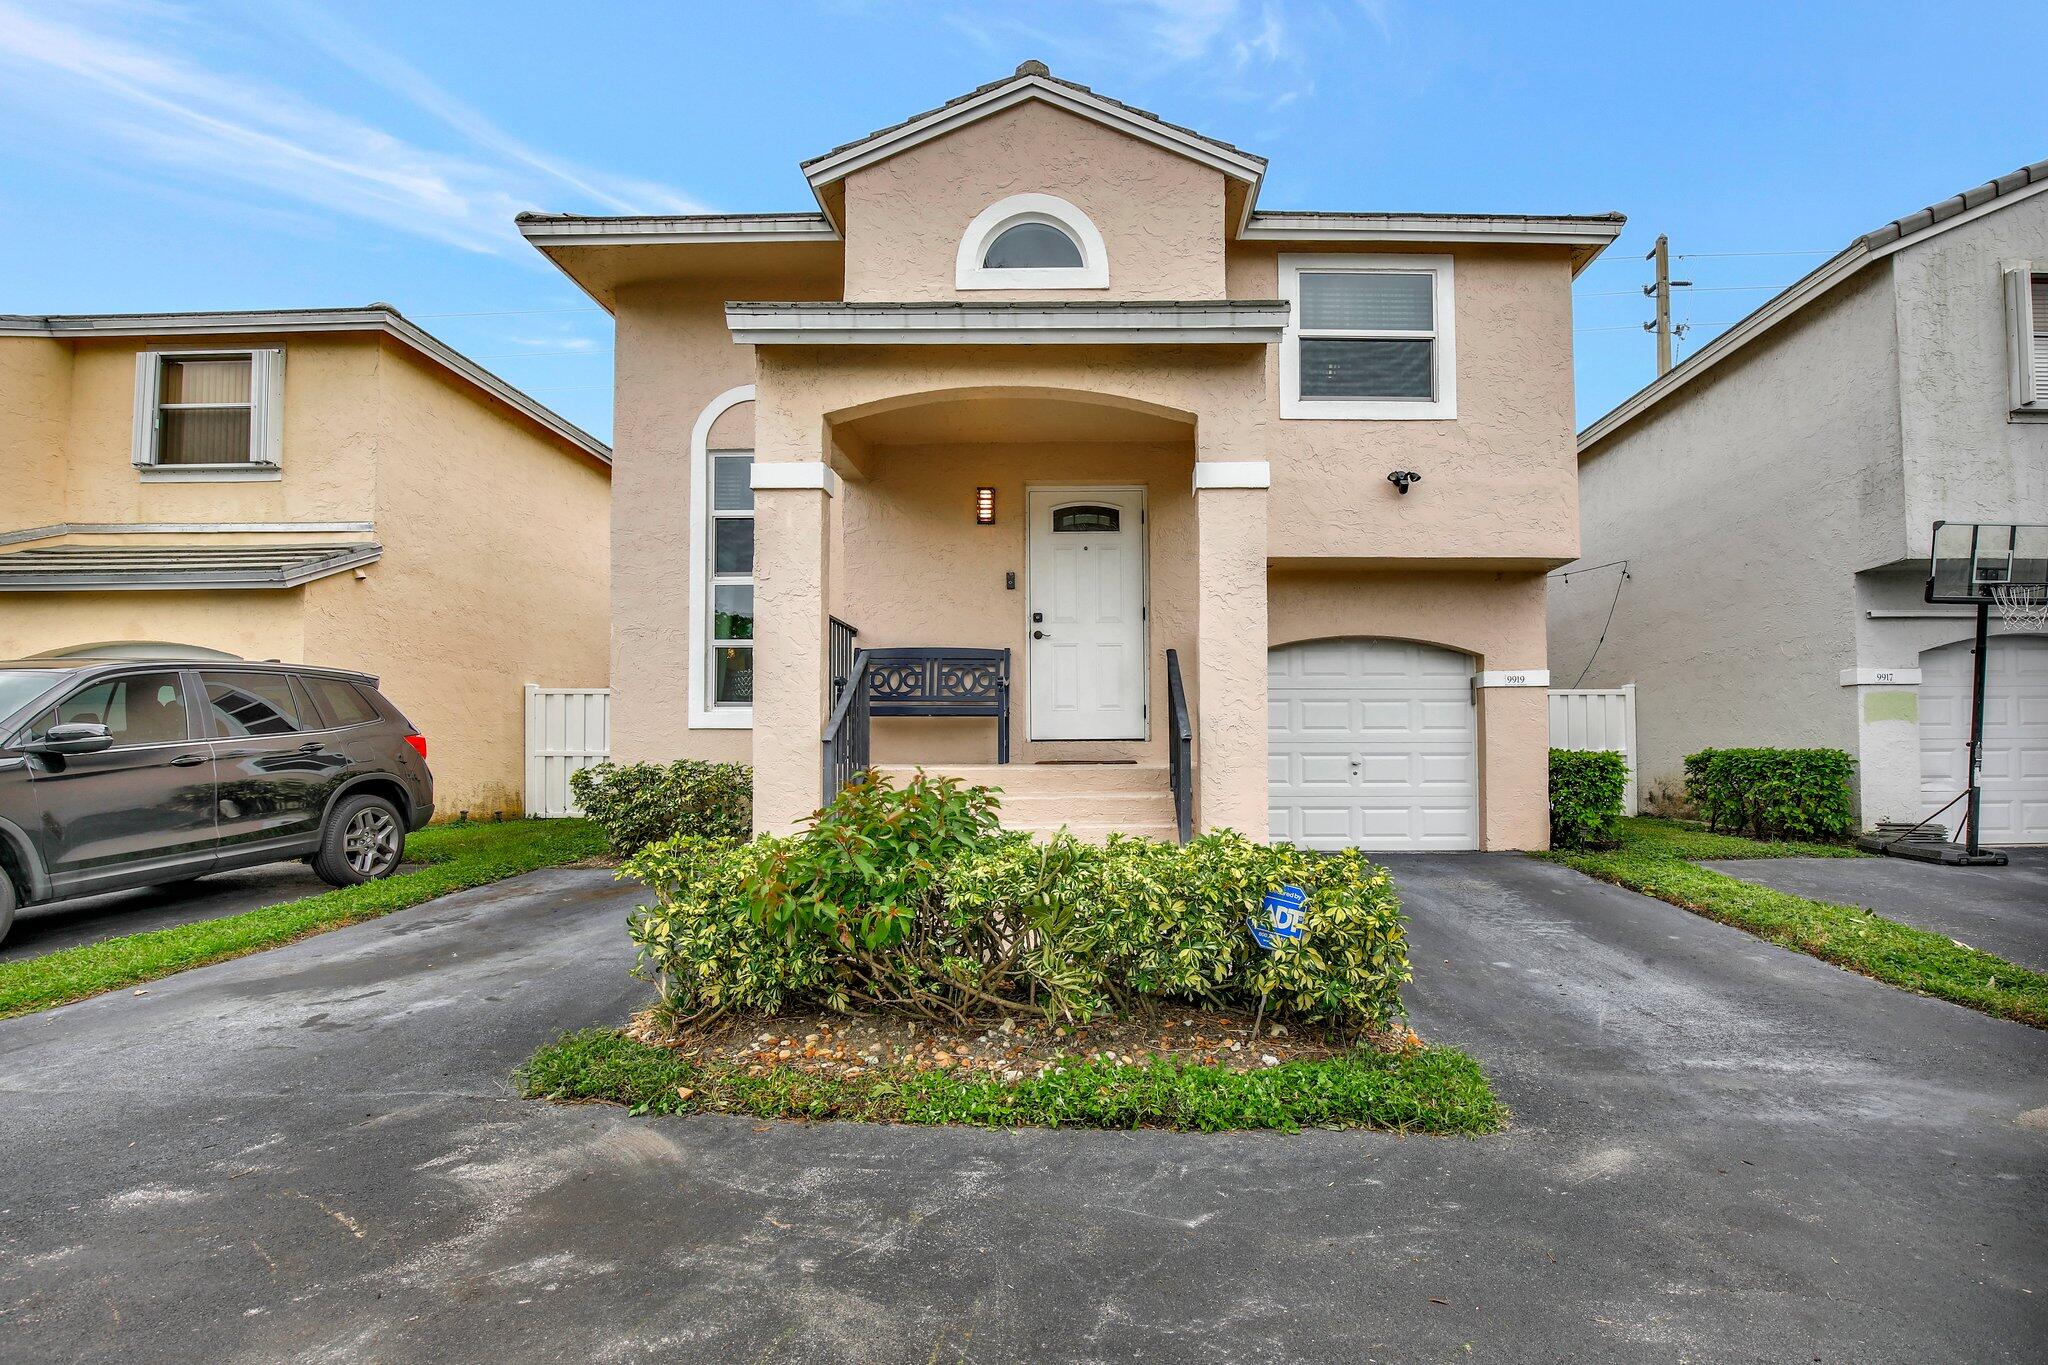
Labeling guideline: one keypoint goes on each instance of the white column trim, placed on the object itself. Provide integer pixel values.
(796, 474)
(1233, 474)
(1880, 677)
(703, 715)
(1512, 677)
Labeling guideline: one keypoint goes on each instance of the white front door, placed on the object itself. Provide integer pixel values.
(1085, 626)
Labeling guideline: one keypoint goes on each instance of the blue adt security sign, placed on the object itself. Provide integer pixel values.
(1282, 917)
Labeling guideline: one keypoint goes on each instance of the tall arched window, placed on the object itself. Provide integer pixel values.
(1031, 241)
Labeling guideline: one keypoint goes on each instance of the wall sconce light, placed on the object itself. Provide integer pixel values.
(984, 507)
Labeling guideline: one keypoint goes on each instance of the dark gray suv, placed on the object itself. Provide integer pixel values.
(124, 773)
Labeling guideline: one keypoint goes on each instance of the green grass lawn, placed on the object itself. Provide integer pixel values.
(1655, 858)
(1434, 1090)
(455, 857)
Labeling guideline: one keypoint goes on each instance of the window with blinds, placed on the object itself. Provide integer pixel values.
(201, 412)
(1367, 337)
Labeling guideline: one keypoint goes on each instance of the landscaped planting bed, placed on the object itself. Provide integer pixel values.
(904, 958)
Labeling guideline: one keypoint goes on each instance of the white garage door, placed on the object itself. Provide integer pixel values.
(2014, 773)
(1371, 744)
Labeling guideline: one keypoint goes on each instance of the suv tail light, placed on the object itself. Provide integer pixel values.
(419, 744)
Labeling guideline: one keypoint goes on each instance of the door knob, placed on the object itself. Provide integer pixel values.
(1039, 635)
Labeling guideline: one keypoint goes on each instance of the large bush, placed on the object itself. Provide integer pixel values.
(1586, 790)
(636, 804)
(912, 900)
(1773, 793)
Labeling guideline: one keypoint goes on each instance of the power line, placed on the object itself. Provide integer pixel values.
(1566, 575)
(1697, 289)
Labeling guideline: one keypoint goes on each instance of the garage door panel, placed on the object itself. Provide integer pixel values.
(2014, 771)
(1405, 713)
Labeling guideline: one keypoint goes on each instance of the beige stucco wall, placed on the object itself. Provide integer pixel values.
(252, 625)
(1498, 618)
(1160, 214)
(330, 433)
(495, 553)
(35, 431)
(1499, 482)
(494, 575)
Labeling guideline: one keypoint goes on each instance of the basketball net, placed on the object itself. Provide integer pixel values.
(2023, 605)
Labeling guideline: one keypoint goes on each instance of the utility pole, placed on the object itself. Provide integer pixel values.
(1661, 291)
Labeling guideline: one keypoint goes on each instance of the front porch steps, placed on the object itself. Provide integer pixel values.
(1090, 800)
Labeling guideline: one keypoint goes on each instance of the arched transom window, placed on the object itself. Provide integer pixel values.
(1031, 241)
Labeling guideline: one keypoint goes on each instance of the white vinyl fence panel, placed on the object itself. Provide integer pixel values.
(1598, 718)
(567, 728)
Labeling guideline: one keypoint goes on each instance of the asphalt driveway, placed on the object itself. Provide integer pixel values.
(40, 929)
(1721, 1150)
(2003, 910)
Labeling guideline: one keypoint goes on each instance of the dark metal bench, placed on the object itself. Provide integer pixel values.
(942, 681)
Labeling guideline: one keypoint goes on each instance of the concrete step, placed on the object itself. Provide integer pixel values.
(1099, 834)
(1037, 808)
(1032, 779)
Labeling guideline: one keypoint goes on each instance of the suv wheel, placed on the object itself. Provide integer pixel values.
(364, 840)
(8, 900)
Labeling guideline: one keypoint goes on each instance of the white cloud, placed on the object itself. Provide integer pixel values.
(132, 84)
(1246, 48)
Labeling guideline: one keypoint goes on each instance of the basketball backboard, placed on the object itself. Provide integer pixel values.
(1973, 561)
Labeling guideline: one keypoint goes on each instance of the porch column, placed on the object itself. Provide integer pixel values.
(1230, 645)
(791, 520)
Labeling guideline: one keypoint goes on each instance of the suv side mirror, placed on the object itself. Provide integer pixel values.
(72, 737)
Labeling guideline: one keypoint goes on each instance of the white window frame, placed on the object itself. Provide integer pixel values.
(266, 417)
(704, 714)
(1444, 353)
(999, 217)
(2026, 342)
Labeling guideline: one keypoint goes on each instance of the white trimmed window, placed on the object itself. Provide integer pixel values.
(731, 547)
(1031, 241)
(208, 414)
(2026, 310)
(1368, 338)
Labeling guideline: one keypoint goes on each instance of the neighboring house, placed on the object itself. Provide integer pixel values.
(320, 486)
(1774, 496)
(1040, 377)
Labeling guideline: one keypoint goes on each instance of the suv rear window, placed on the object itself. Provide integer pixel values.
(253, 704)
(341, 701)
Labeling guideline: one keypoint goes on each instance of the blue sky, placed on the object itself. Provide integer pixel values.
(159, 154)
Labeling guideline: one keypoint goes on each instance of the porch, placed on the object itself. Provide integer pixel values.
(1047, 591)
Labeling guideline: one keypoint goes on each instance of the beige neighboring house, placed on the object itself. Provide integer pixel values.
(1774, 499)
(1040, 377)
(321, 486)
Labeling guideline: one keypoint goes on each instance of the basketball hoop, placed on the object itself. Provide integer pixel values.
(2023, 605)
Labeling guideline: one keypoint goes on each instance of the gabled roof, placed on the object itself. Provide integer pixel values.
(376, 317)
(1871, 247)
(1587, 234)
(1032, 81)
(102, 568)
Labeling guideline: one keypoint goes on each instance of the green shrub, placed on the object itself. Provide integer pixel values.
(1773, 793)
(636, 804)
(1586, 787)
(914, 901)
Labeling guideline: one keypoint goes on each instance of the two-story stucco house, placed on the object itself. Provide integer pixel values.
(324, 486)
(1774, 498)
(1040, 387)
